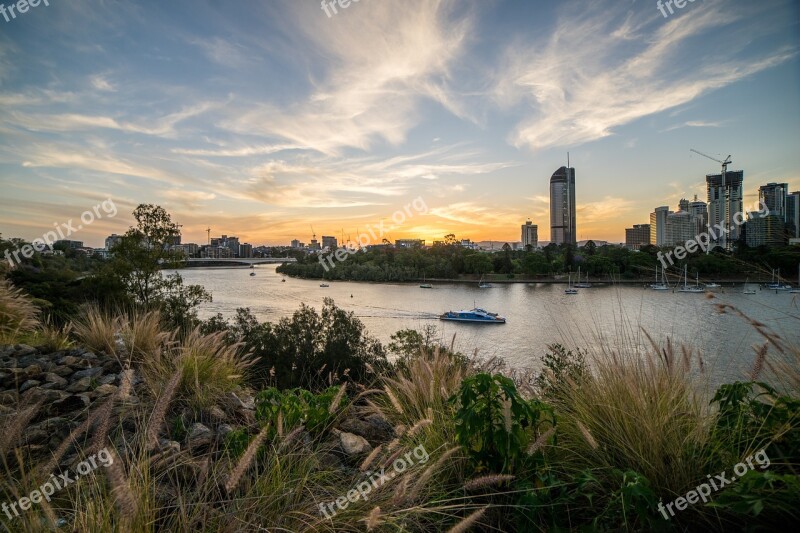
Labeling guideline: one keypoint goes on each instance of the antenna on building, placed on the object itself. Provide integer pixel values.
(209, 236)
(567, 159)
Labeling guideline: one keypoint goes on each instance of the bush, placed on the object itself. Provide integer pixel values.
(288, 409)
(494, 423)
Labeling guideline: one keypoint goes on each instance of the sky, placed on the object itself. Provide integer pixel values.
(265, 118)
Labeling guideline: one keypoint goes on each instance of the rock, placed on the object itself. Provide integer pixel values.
(353, 444)
(199, 436)
(8, 398)
(105, 390)
(82, 385)
(85, 399)
(217, 414)
(29, 384)
(32, 371)
(69, 360)
(35, 436)
(224, 429)
(108, 379)
(55, 379)
(373, 428)
(88, 373)
(245, 402)
(165, 445)
(21, 350)
(62, 371)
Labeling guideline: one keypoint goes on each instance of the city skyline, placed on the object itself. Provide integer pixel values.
(263, 120)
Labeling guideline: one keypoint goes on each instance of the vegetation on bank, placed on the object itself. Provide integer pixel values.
(450, 260)
(584, 441)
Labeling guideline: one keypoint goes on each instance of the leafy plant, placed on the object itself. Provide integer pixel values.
(560, 365)
(295, 407)
(494, 423)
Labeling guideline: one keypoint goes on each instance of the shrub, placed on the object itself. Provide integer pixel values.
(18, 314)
(288, 409)
(494, 423)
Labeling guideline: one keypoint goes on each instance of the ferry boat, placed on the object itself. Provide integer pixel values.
(478, 315)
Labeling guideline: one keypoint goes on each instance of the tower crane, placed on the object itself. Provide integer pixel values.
(725, 193)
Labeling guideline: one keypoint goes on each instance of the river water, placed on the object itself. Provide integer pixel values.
(538, 315)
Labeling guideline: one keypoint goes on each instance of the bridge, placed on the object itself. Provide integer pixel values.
(238, 261)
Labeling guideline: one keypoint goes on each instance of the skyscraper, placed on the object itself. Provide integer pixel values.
(637, 236)
(562, 206)
(530, 234)
(793, 214)
(658, 225)
(773, 195)
(716, 204)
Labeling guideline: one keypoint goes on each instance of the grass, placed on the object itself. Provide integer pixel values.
(18, 314)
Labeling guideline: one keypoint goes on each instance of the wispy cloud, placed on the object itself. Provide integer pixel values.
(595, 74)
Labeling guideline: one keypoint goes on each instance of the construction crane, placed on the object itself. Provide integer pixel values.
(726, 205)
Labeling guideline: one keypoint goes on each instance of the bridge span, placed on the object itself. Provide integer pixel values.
(238, 261)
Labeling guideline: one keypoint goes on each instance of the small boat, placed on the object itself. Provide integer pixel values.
(252, 273)
(660, 285)
(252, 266)
(477, 315)
(426, 286)
(324, 285)
(748, 289)
(483, 285)
(697, 289)
(580, 284)
(283, 280)
(570, 289)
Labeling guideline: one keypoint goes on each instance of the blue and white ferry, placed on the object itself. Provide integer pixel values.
(477, 315)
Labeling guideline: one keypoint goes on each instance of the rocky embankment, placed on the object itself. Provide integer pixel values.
(52, 394)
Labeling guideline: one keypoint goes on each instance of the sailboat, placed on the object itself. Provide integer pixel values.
(424, 285)
(777, 285)
(580, 284)
(483, 285)
(797, 290)
(570, 289)
(746, 289)
(660, 285)
(697, 289)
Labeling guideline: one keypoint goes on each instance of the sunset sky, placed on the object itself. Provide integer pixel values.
(262, 118)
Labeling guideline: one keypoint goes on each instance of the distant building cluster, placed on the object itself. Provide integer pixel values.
(777, 227)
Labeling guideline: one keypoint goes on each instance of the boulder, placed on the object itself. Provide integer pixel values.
(199, 436)
(353, 444)
(88, 373)
(373, 428)
(52, 377)
(81, 385)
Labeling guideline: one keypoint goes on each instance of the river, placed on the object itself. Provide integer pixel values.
(538, 315)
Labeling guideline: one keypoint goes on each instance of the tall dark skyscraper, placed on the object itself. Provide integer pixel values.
(562, 206)
(716, 203)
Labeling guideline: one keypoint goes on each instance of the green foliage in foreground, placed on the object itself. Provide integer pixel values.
(286, 410)
(494, 423)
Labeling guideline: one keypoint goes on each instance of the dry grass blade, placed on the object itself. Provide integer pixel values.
(587, 434)
(246, 460)
(487, 481)
(373, 518)
(469, 521)
(121, 489)
(18, 314)
(428, 473)
(12, 431)
(337, 399)
(758, 363)
(160, 409)
(370, 458)
(541, 441)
